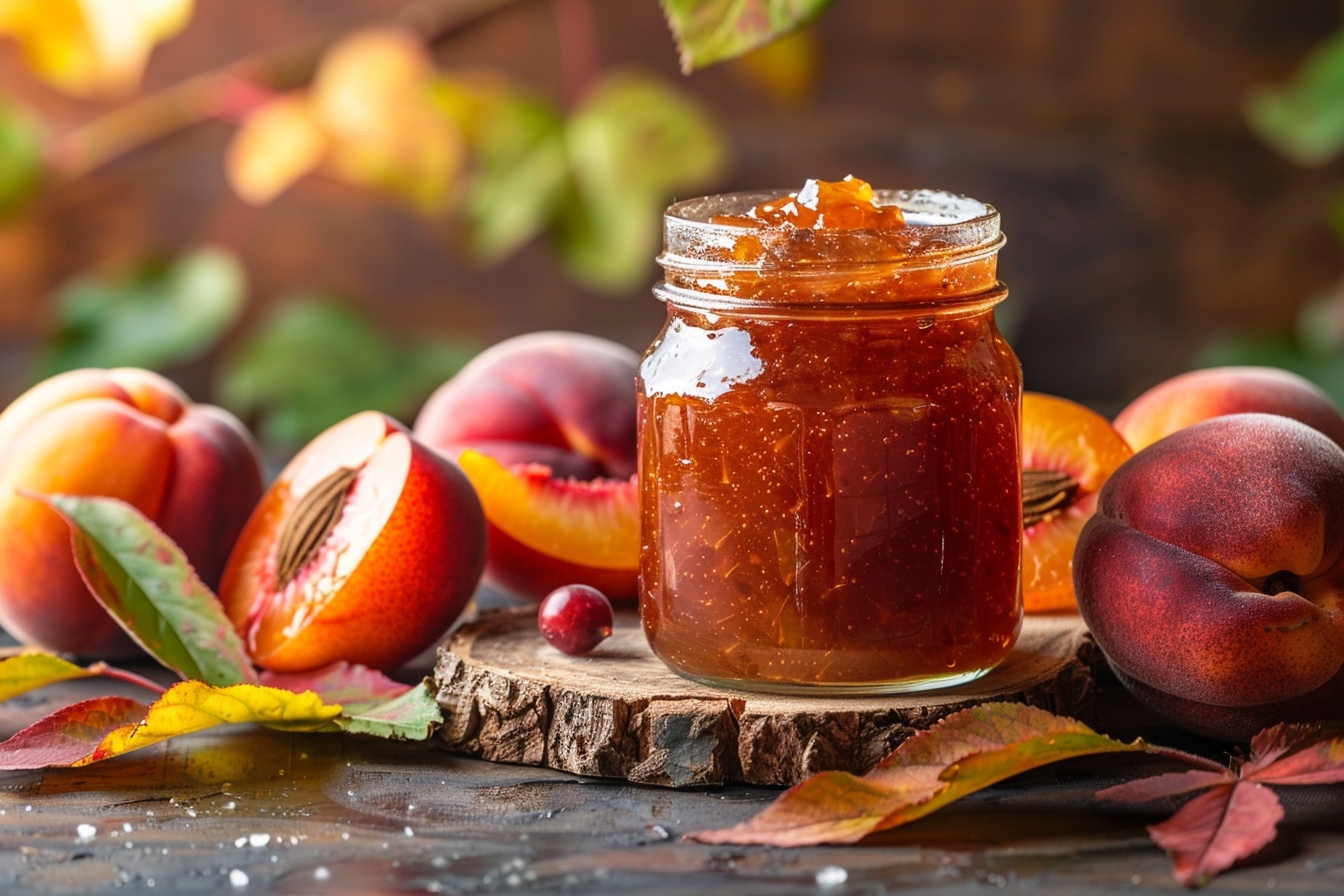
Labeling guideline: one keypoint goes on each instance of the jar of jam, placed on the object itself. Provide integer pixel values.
(830, 483)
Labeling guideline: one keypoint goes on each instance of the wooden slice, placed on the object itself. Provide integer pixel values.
(508, 696)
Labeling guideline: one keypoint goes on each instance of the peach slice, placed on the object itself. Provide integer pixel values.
(1068, 452)
(547, 532)
(365, 549)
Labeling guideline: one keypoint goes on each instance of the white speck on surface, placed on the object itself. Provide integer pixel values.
(230, 805)
(832, 876)
(240, 842)
(191, 813)
(27, 808)
(85, 832)
(408, 832)
(321, 873)
(126, 826)
(258, 840)
(345, 835)
(349, 793)
(238, 877)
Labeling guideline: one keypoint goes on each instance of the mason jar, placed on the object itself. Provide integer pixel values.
(829, 462)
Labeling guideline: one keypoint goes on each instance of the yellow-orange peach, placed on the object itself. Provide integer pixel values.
(127, 434)
(1213, 570)
(365, 549)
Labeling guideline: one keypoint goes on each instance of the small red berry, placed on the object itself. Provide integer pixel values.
(575, 618)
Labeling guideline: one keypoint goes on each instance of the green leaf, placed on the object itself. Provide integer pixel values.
(634, 144)
(315, 363)
(965, 752)
(411, 716)
(1304, 119)
(145, 581)
(710, 31)
(521, 170)
(160, 316)
(21, 165)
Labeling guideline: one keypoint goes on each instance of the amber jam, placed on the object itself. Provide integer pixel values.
(829, 463)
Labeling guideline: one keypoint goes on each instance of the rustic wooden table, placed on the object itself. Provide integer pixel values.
(250, 810)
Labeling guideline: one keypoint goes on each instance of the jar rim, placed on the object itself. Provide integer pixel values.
(941, 223)
(928, 208)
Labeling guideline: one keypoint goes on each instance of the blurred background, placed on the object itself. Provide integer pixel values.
(302, 208)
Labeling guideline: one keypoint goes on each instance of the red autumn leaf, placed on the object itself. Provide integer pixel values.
(1217, 828)
(1172, 784)
(68, 735)
(1238, 815)
(340, 682)
(963, 753)
(1297, 754)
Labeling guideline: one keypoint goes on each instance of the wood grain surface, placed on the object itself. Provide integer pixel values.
(619, 712)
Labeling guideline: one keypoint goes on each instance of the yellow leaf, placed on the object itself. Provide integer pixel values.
(195, 706)
(373, 94)
(277, 144)
(87, 47)
(30, 670)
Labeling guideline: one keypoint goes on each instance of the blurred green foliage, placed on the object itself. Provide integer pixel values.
(633, 144)
(518, 145)
(598, 181)
(1304, 118)
(710, 31)
(21, 166)
(316, 362)
(161, 315)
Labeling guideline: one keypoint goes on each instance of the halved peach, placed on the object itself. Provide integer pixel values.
(1068, 453)
(365, 549)
(547, 532)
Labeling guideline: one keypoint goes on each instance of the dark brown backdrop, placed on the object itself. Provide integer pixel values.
(1142, 215)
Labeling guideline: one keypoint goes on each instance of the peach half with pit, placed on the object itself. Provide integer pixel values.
(1068, 453)
(1217, 391)
(1212, 574)
(365, 549)
(124, 433)
(556, 413)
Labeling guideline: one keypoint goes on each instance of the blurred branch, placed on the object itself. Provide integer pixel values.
(580, 59)
(232, 89)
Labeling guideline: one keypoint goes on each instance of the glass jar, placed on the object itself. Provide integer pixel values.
(830, 475)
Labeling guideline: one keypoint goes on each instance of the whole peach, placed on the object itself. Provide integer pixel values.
(127, 434)
(1213, 570)
(566, 400)
(550, 420)
(365, 549)
(1202, 394)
